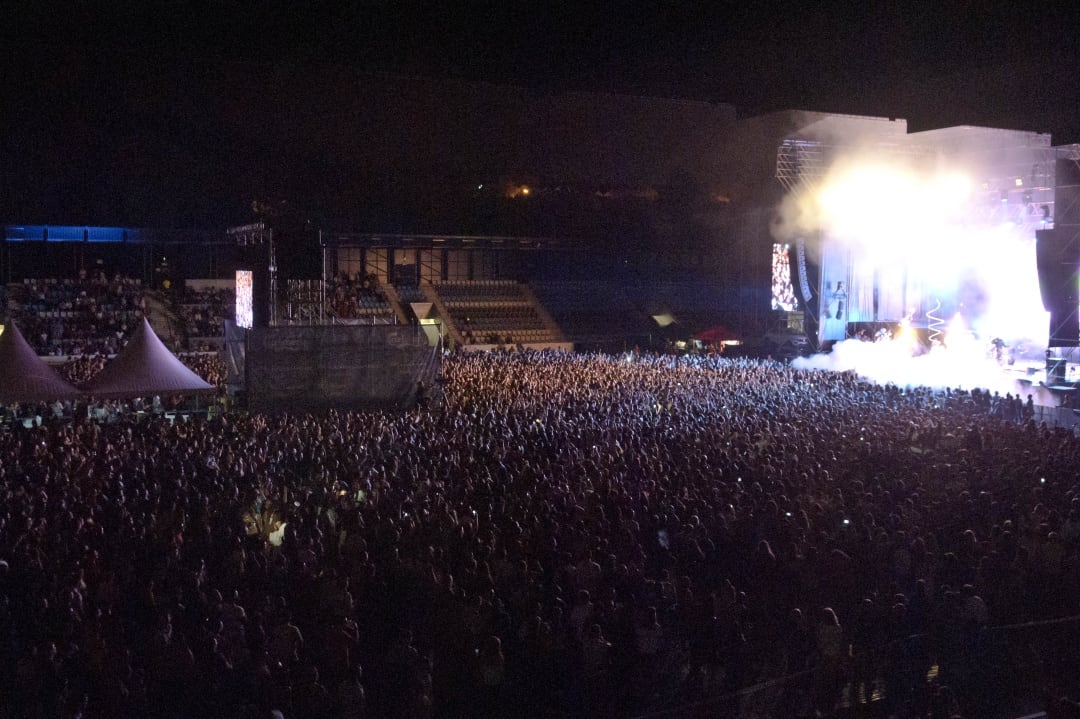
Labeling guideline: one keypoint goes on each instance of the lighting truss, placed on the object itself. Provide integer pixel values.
(802, 164)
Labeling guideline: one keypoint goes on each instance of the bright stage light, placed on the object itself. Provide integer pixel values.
(928, 226)
(890, 214)
(958, 335)
(906, 338)
(914, 235)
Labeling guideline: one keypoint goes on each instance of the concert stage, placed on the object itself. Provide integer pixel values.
(953, 243)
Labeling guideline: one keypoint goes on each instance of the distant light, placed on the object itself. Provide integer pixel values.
(524, 190)
(480, 186)
(1019, 182)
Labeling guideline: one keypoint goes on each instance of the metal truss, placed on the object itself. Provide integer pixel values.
(802, 164)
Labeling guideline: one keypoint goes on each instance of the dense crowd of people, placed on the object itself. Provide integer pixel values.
(563, 535)
(353, 297)
(202, 313)
(208, 365)
(79, 370)
(76, 316)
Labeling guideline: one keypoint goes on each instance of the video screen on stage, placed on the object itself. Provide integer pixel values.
(244, 314)
(783, 291)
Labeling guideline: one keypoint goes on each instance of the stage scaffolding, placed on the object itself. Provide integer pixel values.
(1014, 173)
(802, 164)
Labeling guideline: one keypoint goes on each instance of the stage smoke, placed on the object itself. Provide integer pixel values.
(964, 365)
(913, 231)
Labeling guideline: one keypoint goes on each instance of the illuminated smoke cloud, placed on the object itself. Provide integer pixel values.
(966, 367)
(933, 219)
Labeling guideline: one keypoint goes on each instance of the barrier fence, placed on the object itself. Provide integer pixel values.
(1001, 672)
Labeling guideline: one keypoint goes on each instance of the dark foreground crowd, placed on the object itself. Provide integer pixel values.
(565, 535)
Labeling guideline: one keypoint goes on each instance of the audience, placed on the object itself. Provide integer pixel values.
(351, 298)
(202, 313)
(87, 315)
(565, 535)
(208, 365)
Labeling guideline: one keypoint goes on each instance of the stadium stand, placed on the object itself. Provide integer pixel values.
(613, 315)
(359, 298)
(495, 312)
(596, 315)
(201, 308)
(410, 293)
(90, 314)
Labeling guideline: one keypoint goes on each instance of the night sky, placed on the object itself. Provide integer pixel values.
(1003, 65)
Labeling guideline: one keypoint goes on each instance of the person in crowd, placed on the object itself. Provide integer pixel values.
(562, 535)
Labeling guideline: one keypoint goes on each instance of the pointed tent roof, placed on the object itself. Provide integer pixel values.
(145, 367)
(24, 377)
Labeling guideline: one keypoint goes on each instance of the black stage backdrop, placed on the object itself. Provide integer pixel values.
(340, 366)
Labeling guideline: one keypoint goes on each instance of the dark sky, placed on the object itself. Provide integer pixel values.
(1008, 63)
(111, 113)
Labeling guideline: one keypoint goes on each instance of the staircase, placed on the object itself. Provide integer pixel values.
(552, 325)
(161, 319)
(394, 299)
(432, 296)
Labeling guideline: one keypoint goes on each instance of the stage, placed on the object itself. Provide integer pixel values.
(946, 258)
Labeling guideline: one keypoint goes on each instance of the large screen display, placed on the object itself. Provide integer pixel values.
(783, 292)
(244, 316)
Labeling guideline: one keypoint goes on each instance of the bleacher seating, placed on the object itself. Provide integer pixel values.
(495, 312)
(90, 314)
(359, 298)
(410, 293)
(596, 314)
(475, 291)
(202, 313)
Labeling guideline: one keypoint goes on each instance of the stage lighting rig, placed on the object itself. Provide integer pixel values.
(257, 233)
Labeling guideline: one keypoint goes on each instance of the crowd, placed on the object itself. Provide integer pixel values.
(351, 298)
(208, 365)
(81, 369)
(75, 316)
(202, 312)
(564, 535)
